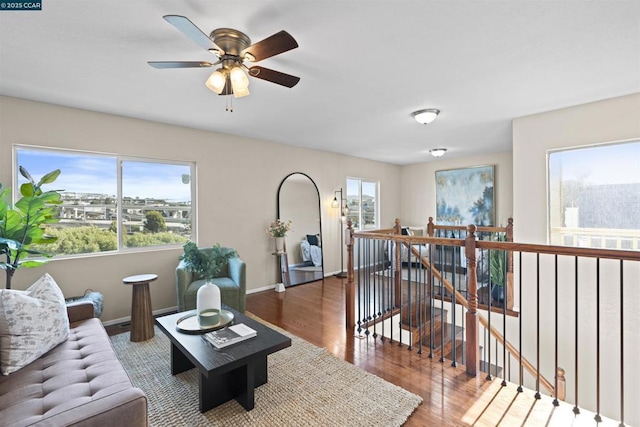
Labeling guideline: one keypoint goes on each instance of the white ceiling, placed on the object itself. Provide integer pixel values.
(364, 67)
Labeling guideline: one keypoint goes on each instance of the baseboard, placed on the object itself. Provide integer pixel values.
(261, 289)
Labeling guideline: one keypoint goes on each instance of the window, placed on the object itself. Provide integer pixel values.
(113, 203)
(594, 196)
(362, 201)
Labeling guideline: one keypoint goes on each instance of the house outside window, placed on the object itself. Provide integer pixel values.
(113, 203)
(362, 202)
(594, 196)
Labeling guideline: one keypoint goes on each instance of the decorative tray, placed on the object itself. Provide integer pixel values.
(189, 323)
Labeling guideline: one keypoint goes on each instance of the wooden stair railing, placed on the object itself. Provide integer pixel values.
(473, 317)
(542, 269)
(482, 319)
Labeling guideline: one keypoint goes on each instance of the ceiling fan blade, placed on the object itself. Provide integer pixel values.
(271, 46)
(273, 76)
(189, 29)
(179, 64)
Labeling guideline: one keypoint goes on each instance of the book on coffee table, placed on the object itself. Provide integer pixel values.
(224, 337)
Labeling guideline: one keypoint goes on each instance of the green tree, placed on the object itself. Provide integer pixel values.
(154, 222)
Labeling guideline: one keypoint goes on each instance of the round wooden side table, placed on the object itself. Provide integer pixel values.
(141, 313)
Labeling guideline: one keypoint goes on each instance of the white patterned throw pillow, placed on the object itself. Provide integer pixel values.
(32, 322)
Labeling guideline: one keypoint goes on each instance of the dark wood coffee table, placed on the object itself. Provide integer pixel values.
(229, 373)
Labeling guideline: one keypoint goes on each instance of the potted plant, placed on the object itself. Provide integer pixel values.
(278, 230)
(207, 264)
(23, 224)
(497, 270)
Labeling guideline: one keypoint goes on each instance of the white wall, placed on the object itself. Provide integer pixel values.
(237, 177)
(610, 120)
(418, 187)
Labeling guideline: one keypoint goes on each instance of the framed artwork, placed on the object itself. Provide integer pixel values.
(465, 196)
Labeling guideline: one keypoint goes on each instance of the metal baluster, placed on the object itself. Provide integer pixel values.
(392, 303)
(374, 278)
(442, 278)
(421, 302)
(576, 409)
(555, 386)
(621, 343)
(597, 417)
(431, 301)
(367, 283)
(358, 251)
(410, 309)
(454, 263)
(537, 395)
(504, 321)
(489, 377)
(520, 389)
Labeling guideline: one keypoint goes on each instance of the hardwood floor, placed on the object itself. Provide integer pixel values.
(315, 312)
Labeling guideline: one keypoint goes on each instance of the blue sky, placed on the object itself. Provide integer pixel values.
(600, 165)
(84, 173)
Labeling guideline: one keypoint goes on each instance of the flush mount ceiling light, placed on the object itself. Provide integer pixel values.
(425, 116)
(438, 152)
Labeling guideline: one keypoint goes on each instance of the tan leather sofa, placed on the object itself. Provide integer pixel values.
(80, 382)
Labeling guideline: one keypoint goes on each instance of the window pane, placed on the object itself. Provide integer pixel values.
(88, 187)
(369, 203)
(362, 203)
(156, 203)
(156, 200)
(353, 202)
(594, 196)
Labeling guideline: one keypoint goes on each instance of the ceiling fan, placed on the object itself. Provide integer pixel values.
(233, 48)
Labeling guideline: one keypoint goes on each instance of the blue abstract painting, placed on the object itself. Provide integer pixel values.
(465, 196)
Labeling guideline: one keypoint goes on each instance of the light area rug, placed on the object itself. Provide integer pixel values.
(307, 386)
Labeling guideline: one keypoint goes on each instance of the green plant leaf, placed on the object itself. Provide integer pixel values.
(27, 189)
(26, 174)
(50, 177)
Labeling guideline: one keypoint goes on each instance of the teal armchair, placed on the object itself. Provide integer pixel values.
(232, 282)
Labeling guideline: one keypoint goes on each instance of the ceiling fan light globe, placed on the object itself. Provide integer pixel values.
(243, 91)
(239, 82)
(216, 82)
(239, 78)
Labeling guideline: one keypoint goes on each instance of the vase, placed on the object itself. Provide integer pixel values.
(280, 244)
(208, 305)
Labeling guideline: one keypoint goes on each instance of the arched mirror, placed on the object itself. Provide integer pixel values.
(299, 201)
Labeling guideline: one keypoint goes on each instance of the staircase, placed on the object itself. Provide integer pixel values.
(443, 336)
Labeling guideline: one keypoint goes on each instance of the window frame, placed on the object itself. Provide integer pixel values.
(118, 160)
(553, 203)
(376, 224)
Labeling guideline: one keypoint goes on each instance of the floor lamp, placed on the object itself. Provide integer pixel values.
(342, 204)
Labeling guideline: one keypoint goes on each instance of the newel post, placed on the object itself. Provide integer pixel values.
(350, 297)
(561, 391)
(431, 231)
(472, 332)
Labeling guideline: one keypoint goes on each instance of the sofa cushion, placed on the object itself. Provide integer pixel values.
(32, 322)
